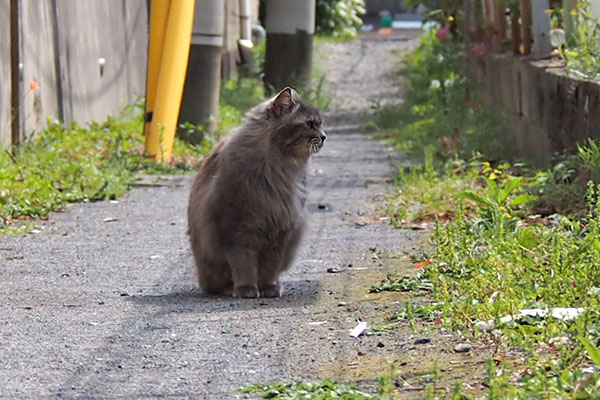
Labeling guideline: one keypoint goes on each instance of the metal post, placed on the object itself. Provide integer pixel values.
(200, 104)
(290, 31)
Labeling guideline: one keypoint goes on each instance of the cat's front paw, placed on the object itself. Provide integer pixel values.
(246, 291)
(270, 290)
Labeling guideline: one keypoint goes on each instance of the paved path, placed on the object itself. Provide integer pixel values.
(103, 304)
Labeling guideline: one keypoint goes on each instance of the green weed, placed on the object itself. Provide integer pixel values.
(498, 245)
(99, 161)
(325, 390)
(583, 55)
(435, 112)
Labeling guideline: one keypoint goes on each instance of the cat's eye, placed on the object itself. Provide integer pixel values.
(312, 124)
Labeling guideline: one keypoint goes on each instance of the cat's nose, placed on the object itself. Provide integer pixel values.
(322, 136)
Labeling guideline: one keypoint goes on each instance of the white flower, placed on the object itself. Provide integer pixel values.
(557, 37)
(435, 84)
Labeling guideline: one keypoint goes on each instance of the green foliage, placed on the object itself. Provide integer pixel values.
(325, 390)
(423, 193)
(316, 95)
(403, 284)
(70, 164)
(443, 12)
(241, 94)
(260, 55)
(583, 56)
(494, 255)
(100, 161)
(435, 113)
(339, 18)
(561, 188)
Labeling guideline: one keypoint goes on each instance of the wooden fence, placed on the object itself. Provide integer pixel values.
(546, 109)
(87, 56)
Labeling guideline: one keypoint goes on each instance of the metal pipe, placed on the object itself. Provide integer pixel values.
(200, 105)
(245, 24)
(171, 77)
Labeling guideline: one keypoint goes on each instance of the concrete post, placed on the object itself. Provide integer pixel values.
(290, 29)
(540, 27)
(200, 104)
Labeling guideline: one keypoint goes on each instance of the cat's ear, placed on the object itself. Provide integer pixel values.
(285, 101)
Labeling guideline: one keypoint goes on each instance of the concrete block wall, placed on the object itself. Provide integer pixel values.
(546, 110)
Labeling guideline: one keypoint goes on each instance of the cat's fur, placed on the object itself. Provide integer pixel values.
(247, 204)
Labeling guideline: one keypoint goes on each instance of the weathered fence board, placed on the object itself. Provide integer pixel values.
(540, 25)
(4, 73)
(39, 65)
(94, 58)
(88, 57)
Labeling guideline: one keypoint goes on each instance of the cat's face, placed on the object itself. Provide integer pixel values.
(296, 126)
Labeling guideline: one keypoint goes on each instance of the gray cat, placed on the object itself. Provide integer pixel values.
(247, 204)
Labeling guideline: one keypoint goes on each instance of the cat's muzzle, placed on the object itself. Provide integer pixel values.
(317, 143)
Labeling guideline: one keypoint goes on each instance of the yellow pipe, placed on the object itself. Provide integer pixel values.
(158, 24)
(171, 77)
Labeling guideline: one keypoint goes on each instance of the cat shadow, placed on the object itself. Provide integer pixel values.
(295, 294)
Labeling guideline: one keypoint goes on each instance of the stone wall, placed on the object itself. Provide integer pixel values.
(546, 110)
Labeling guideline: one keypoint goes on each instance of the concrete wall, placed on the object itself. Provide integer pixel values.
(546, 110)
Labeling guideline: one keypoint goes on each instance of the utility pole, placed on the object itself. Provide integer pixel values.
(200, 104)
(290, 29)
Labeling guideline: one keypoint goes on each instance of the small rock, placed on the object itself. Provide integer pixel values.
(463, 348)
(34, 231)
(422, 340)
(360, 353)
(484, 326)
(380, 344)
(342, 304)
(588, 370)
(350, 265)
(110, 219)
(334, 270)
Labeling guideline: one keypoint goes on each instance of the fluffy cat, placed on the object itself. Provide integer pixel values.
(247, 204)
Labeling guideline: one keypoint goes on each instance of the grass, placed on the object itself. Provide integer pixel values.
(324, 390)
(505, 237)
(65, 164)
